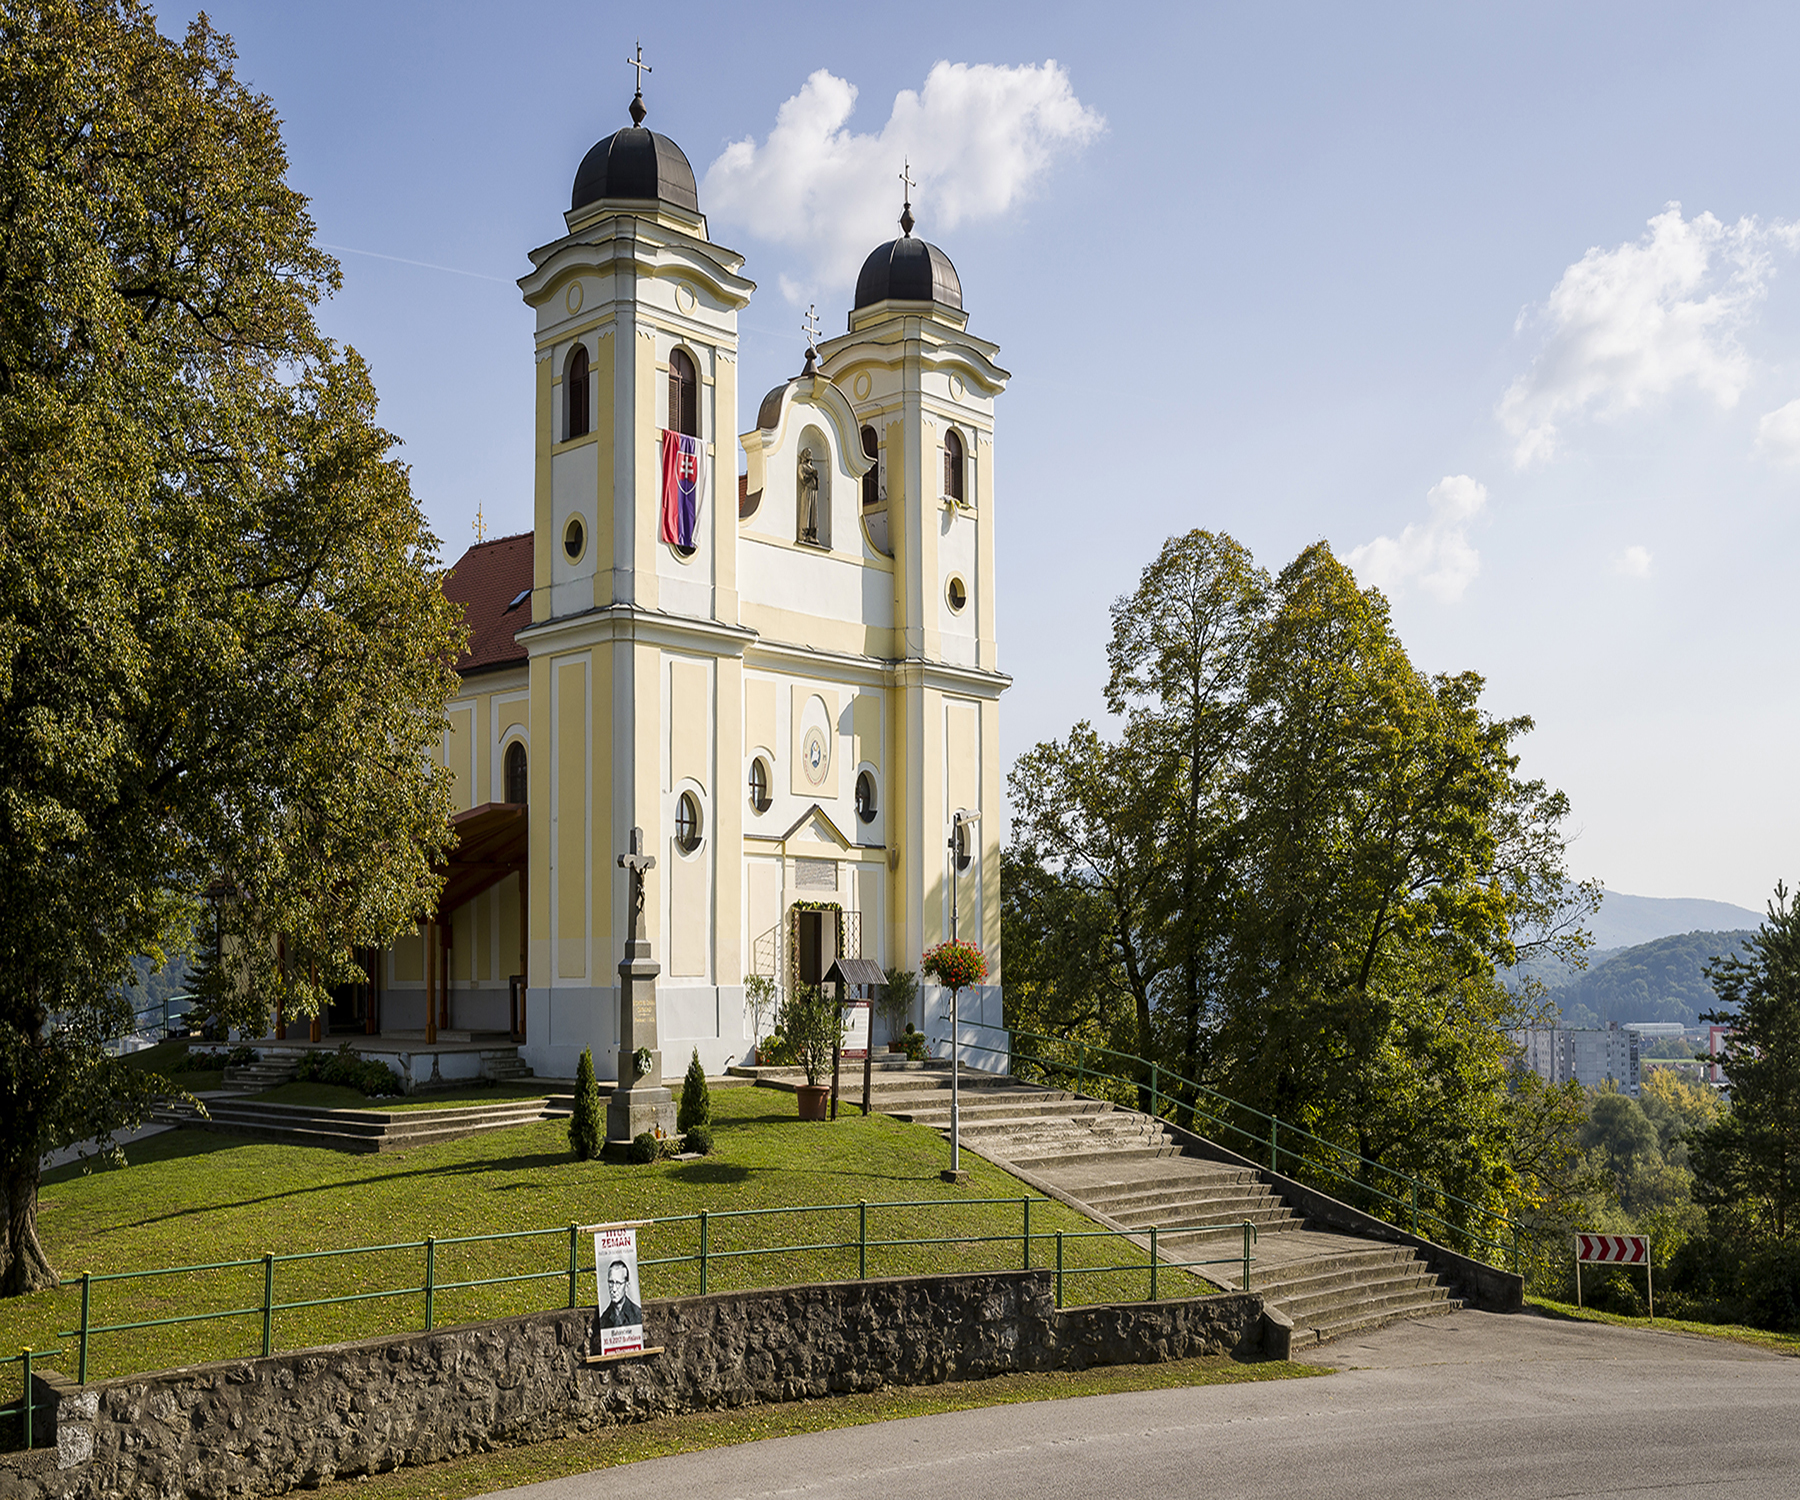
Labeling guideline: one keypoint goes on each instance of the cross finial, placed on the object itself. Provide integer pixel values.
(480, 527)
(637, 100)
(810, 327)
(906, 218)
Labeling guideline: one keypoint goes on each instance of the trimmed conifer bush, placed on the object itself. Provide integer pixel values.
(584, 1125)
(696, 1101)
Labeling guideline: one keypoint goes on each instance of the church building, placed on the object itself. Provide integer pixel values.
(791, 688)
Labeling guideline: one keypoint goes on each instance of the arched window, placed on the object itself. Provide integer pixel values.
(516, 782)
(953, 467)
(684, 395)
(687, 823)
(865, 798)
(759, 785)
(871, 480)
(575, 394)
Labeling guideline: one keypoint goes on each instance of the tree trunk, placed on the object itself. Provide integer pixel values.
(23, 1264)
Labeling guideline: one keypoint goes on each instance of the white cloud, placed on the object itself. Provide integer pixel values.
(1778, 434)
(1632, 323)
(979, 138)
(1633, 562)
(1435, 554)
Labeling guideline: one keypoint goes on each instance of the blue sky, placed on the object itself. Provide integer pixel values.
(1406, 278)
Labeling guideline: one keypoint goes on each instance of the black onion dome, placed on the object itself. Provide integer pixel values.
(636, 163)
(908, 270)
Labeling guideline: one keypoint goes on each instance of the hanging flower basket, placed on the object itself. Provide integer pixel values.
(956, 964)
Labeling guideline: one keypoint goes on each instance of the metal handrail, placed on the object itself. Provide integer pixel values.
(1277, 1127)
(27, 1406)
(704, 1257)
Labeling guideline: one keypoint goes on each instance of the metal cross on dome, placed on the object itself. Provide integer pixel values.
(906, 217)
(637, 100)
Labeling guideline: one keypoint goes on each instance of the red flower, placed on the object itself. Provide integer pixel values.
(956, 964)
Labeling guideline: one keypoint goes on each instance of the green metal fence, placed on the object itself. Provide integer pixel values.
(702, 1246)
(1408, 1202)
(22, 1433)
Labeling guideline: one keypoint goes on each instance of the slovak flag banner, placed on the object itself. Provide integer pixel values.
(683, 483)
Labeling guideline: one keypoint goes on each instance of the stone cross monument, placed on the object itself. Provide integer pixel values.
(639, 1101)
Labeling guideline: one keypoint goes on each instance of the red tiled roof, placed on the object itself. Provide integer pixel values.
(486, 581)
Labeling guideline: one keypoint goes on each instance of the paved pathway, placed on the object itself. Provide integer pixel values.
(1463, 1405)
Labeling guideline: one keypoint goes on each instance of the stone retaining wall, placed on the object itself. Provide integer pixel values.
(265, 1426)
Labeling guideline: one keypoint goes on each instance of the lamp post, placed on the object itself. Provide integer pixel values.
(959, 820)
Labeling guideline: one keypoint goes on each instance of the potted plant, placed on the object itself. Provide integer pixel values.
(760, 991)
(895, 1004)
(812, 1024)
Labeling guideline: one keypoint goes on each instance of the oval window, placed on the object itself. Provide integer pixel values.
(687, 823)
(865, 798)
(958, 595)
(759, 785)
(574, 538)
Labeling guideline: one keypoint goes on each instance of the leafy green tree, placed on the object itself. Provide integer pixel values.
(696, 1099)
(586, 1135)
(1748, 1162)
(222, 636)
(1294, 874)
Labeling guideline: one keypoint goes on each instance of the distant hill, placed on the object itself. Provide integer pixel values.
(1625, 921)
(1663, 980)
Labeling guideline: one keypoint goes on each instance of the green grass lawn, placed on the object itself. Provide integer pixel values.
(1762, 1338)
(167, 1058)
(333, 1096)
(192, 1197)
(664, 1437)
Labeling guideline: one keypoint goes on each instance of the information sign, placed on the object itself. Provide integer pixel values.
(621, 1297)
(856, 1028)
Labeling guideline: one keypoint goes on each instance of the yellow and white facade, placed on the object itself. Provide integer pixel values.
(794, 709)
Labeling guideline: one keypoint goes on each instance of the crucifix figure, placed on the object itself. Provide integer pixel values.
(637, 862)
(637, 100)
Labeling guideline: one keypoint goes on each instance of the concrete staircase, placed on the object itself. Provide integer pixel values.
(363, 1129)
(264, 1073)
(1128, 1171)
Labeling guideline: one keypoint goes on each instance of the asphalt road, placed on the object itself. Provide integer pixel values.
(1469, 1404)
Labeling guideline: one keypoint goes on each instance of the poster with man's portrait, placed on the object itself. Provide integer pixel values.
(621, 1298)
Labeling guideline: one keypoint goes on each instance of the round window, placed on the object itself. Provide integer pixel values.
(759, 785)
(574, 538)
(963, 856)
(865, 798)
(687, 823)
(957, 594)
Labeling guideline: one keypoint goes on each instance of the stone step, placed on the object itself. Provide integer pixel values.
(1325, 1332)
(1327, 1305)
(1126, 1197)
(1093, 1151)
(1177, 1218)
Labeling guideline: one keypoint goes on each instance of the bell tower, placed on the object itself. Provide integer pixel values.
(634, 643)
(924, 390)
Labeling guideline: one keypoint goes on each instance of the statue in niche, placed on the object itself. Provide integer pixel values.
(807, 478)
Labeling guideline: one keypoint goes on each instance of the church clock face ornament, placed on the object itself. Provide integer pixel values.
(815, 756)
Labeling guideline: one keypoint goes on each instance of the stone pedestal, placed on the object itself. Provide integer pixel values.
(638, 1103)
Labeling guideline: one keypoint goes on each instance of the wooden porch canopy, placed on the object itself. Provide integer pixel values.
(491, 842)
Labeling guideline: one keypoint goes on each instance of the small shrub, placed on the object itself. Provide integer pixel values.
(345, 1069)
(239, 1057)
(584, 1123)
(775, 1051)
(696, 1101)
(644, 1148)
(915, 1045)
(699, 1140)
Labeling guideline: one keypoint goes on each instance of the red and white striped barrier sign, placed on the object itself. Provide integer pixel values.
(1613, 1249)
